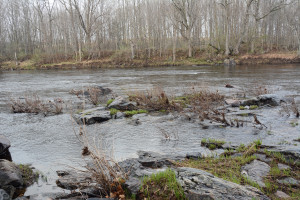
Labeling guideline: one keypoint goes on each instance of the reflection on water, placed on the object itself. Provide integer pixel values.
(49, 143)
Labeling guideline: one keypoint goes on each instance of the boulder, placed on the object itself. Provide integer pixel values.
(199, 184)
(256, 170)
(92, 116)
(270, 99)
(4, 148)
(262, 100)
(72, 180)
(233, 102)
(10, 174)
(121, 104)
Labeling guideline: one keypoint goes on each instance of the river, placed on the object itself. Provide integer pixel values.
(50, 144)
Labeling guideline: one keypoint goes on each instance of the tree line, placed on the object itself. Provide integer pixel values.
(56, 30)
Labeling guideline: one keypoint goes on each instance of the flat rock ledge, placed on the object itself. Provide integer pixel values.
(92, 116)
(199, 184)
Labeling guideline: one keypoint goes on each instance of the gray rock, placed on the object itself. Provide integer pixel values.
(249, 102)
(4, 195)
(72, 180)
(229, 62)
(121, 104)
(156, 160)
(4, 148)
(101, 90)
(233, 102)
(288, 181)
(281, 195)
(133, 184)
(120, 115)
(270, 99)
(199, 184)
(283, 167)
(194, 155)
(263, 158)
(92, 116)
(10, 174)
(256, 170)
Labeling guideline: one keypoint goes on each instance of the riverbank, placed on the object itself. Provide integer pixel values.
(124, 62)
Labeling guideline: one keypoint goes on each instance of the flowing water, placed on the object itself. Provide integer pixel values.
(50, 144)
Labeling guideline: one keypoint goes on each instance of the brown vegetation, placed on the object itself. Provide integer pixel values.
(104, 169)
(155, 99)
(31, 103)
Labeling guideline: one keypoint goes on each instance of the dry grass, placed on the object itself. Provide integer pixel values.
(205, 104)
(104, 169)
(260, 90)
(31, 103)
(94, 95)
(155, 99)
(289, 108)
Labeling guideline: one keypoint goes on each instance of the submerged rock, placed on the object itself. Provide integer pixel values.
(4, 148)
(256, 170)
(121, 104)
(199, 184)
(92, 116)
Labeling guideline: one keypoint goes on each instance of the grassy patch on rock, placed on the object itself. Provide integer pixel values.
(134, 112)
(28, 175)
(212, 144)
(161, 186)
(228, 167)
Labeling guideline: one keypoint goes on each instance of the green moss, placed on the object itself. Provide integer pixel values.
(134, 112)
(113, 111)
(162, 185)
(242, 108)
(253, 107)
(109, 102)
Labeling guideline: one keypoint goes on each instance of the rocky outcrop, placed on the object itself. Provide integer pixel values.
(199, 184)
(10, 177)
(262, 100)
(10, 174)
(4, 148)
(92, 116)
(120, 103)
(255, 171)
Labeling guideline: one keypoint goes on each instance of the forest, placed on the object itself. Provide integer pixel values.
(53, 31)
